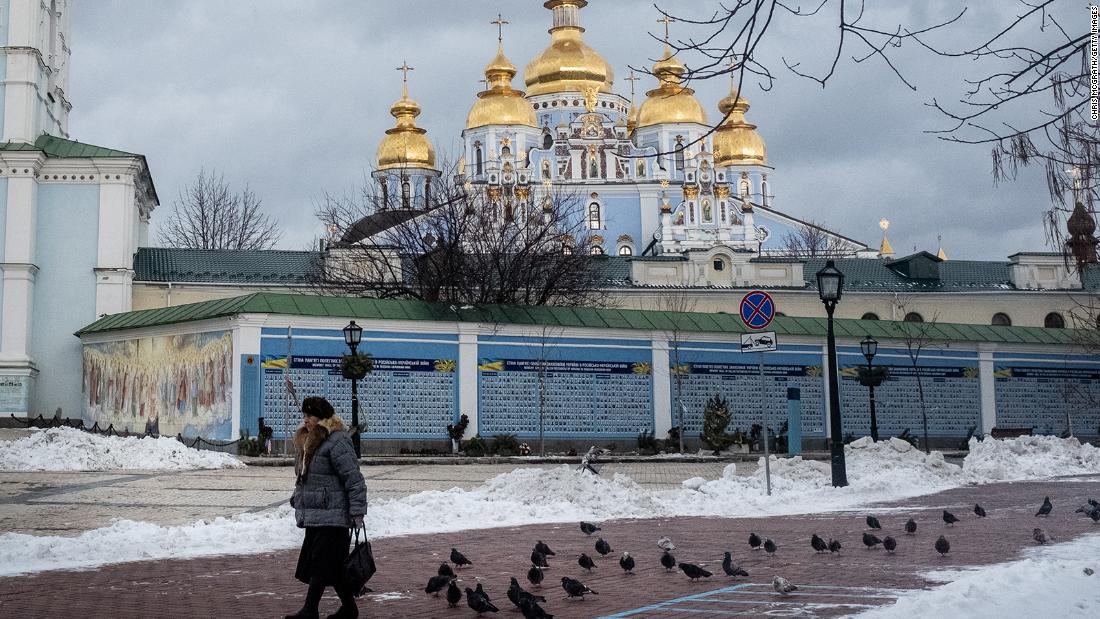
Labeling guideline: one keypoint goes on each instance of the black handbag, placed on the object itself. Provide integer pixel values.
(359, 566)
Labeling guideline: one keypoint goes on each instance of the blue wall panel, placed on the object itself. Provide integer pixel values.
(251, 394)
(1048, 392)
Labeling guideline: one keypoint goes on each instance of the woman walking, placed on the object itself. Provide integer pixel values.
(330, 497)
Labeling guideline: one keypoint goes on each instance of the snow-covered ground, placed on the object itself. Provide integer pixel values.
(1049, 582)
(888, 470)
(68, 449)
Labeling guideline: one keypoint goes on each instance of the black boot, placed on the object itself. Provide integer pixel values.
(348, 608)
(313, 600)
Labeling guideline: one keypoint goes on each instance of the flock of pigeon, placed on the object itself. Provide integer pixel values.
(529, 604)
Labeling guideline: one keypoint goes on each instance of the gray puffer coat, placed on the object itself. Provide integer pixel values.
(330, 488)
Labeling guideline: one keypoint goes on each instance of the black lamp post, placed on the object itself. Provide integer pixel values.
(830, 285)
(353, 334)
(869, 346)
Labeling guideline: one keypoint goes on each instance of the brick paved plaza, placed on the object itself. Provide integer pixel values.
(262, 585)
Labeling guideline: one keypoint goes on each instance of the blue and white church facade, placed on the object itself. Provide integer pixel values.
(72, 215)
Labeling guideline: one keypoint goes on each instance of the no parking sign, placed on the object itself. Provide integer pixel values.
(757, 309)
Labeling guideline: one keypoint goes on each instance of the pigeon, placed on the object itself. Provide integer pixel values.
(538, 559)
(531, 610)
(942, 546)
(911, 527)
(979, 510)
(481, 591)
(783, 586)
(543, 548)
(870, 540)
(890, 544)
(1094, 514)
(603, 547)
(535, 576)
(445, 569)
(1089, 571)
(479, 603)
(873, 522)
(588, 528)
(949, 518)
(1094, 502)
(627, 563)
(585, 561)
(454, 594)
(834, 545)
(668, 561)
(575, 588)
(731, 568)
(769, 546)
(694, 572)
(1041, 536)
(516, 593)
(437, 584)
(818, 544)
(665, 543)
(1044, 509)
(459, 559)
(754, 541)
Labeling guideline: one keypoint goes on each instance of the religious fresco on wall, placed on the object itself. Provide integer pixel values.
(168, 385)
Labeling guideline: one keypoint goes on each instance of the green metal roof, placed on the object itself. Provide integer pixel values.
(272, 266)
(648, 320)
(61, 148)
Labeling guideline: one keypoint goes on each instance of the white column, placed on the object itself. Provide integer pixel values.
(19, 259)
(662, 387)
(23, 60)
(246, 341)
(117, 243)
(468, 376)
(988, 389)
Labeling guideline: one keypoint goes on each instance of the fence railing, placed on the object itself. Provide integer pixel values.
(197, 442)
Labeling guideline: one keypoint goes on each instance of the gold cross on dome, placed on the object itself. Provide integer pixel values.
(500, 22)
(633, 78)
(405, 68)
(666, 20)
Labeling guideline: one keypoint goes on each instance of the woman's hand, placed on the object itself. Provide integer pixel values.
(357, 522)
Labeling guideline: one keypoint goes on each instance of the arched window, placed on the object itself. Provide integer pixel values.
(914, 317)
(679, 156)
(719, 264)
(385, 194)
(626, 250)
(1054, 320)
(596, 250)
(567, 249)
(1001, 319)
(427, 192)
(479, 159)
(406, 193)
(547, 140)
(546, 169)
(869, 316)
(764, 193)
(744, 188)
(594, 220)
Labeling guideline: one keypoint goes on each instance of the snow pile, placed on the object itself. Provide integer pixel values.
(1050, 582)
(1029, 457)
(68, 449)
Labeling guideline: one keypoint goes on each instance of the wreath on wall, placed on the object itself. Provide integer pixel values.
(355, 367)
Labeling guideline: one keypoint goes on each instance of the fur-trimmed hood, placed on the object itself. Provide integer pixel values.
(307, 442)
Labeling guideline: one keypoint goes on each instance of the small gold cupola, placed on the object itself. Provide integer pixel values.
(499, 103)
(736, 141)
(671, 101)
(405, 145)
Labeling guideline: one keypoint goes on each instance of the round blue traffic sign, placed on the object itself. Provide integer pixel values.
(757, 309)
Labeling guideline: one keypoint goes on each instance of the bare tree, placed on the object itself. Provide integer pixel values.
(811, 240)
(461, 244)
(210, 215)
(917, 337)
(1026, 94)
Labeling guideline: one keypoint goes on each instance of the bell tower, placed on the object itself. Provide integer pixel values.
(35, 52)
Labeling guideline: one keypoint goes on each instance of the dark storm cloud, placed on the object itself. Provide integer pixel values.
(292, 98)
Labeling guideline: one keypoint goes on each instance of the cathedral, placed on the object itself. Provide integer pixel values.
(654, 177)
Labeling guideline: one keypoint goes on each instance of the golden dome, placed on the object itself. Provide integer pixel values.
(500, 104)
(568, 64)
(736, 142)
(670, 102)
(405, 145)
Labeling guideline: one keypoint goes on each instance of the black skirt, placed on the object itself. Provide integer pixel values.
(323, 553)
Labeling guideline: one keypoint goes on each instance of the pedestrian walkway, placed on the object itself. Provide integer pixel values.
(244, 585)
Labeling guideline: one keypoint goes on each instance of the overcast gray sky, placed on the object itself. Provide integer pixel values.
(292, 97)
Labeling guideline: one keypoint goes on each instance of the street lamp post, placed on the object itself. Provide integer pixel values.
(353, 334)
(830, 285)
(869, 346)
